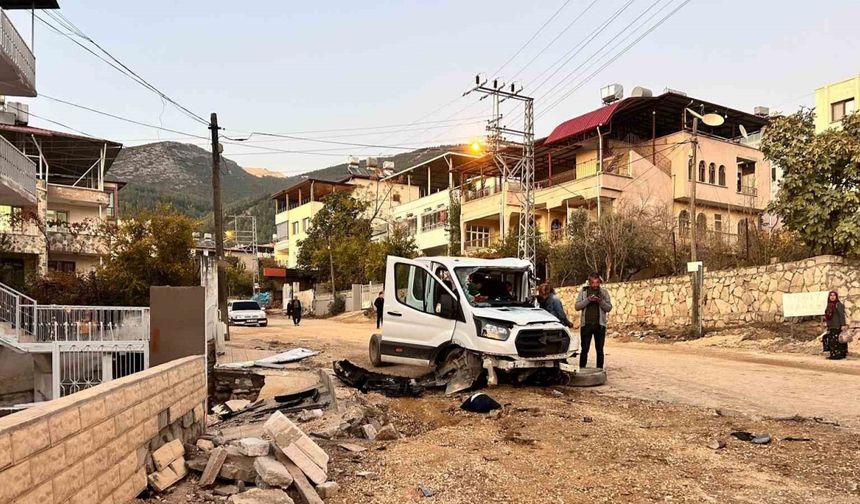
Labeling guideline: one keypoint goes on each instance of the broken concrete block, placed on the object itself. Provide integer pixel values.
(226, 490)
(308, 415)
(197, 464)
(213, 466)
(302, 485)
(272, 472)
(253, 447)
(167, 477)
(171, 451)
(297, 447)
(238, 472)
(388, 433)
(258, 496)
(205, 445)
(327, 489)
(369, 431)
(258, 481)
(237, 404)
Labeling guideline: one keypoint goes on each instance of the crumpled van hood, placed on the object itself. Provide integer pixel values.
(519, 315)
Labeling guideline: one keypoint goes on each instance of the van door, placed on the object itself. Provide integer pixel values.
(413, 325)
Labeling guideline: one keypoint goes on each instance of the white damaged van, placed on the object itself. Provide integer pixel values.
(464, 314)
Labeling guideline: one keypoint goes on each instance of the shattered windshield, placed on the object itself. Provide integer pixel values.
(493, 286)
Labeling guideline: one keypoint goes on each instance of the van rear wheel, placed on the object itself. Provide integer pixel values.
(375, 350)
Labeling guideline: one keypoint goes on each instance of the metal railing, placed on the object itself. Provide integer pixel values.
(18, 168)
(17, 310)
(17, 50)
(90, 323)
(748, 190)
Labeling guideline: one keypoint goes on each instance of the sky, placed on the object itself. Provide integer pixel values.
(391, 74)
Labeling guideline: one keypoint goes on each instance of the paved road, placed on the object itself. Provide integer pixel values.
(752, 383)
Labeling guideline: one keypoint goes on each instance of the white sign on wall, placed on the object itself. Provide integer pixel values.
(804, 304)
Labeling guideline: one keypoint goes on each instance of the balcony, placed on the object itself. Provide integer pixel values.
(69, 242)
(74, 195)
(17, 63)
(487, 201)
(17, 177)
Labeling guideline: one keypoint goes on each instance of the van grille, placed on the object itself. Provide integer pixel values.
(538, 343)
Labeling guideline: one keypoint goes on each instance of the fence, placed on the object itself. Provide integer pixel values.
(90, 323)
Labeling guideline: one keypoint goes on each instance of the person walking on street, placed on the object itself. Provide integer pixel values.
(834, 317)
(550, 302)
(594, 303)
(297, 311)
(379, 303)
(290, 308)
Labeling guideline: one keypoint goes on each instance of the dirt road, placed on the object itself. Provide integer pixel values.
(643, 438)
(753, 383)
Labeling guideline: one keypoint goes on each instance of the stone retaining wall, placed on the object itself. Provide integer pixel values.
(94, 446)
(730, 297)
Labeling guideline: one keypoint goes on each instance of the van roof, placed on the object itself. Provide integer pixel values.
(477, 262)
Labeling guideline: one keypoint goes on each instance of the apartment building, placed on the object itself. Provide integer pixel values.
(634, 151)
(835, 101)
(61, 229)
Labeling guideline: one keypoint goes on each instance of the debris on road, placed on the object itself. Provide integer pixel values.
(480, 403)
(425, 492)
(213, 466)
(276, 361)
(352, 448)
(793, 438)
(760, 439)
(297, 447)
(717, 444)
(366, 474)
(366, 381)
(253, 447)
(170, 467)
(328, 489)
(259, 496)
(388, 433)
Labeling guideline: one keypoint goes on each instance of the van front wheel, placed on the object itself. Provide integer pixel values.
(375, 350)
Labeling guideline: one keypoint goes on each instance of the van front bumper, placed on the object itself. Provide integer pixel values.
(509, 364)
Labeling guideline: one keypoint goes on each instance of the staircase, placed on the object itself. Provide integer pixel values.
(17, 313)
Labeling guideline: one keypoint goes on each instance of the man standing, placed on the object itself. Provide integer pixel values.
(379, 303)
(594, 303)
(297, 311)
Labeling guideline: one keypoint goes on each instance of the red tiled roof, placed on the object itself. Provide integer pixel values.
(585, 122)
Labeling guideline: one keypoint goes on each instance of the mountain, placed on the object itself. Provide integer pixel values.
(263, 172)
(181, 175)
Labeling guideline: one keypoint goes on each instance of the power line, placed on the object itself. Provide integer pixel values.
(618, 55)
(529, 41)
(112, 61)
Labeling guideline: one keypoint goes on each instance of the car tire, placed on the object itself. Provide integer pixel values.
(264, 324)
(375, 350)
(588, 377)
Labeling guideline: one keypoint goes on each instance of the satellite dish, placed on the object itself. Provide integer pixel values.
(743, 132)
(713, 120)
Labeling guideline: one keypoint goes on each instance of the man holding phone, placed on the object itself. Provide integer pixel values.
(594, 303)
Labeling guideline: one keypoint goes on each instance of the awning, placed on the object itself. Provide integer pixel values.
(583, 123)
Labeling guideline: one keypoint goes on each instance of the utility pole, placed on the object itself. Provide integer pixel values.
(514, 167)
(219, 224)
(698, 273)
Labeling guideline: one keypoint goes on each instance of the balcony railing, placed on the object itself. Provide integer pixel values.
(748, 191)
(18, 174)
(66, 241)
(19, 54)
(90, 323)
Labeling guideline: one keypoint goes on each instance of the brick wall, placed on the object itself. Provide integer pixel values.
(93, 446)
(730, 297)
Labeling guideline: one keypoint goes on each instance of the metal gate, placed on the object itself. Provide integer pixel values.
(79, 365)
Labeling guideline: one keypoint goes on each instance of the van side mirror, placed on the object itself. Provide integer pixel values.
(448, 306)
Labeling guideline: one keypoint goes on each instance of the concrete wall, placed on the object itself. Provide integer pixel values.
(730, 297)
(93, 446)
(177, 321)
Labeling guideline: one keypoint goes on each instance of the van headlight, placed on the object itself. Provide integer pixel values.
(492, 329)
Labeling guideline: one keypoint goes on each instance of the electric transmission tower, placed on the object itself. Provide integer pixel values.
(515, 159)
(244, 236)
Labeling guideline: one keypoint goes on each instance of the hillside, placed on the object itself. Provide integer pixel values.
(180, 175)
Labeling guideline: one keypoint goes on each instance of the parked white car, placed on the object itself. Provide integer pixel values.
(440, 309)
(246, 312)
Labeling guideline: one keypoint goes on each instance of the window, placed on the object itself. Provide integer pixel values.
(111, 206)
(701, 223)
(477, 237)
(434, 220)
(283, 230)
(415, 288)
(740, 181)
(411, 224)
(684, 221)
(57, 219)
(295, 228)
(689, 168)
(773, 173)
(722, 175)
(306, 223)
(718, 223)
(62, 266)
(10, 218)
(742, 228)
(840, 109)
(395, 197)
(712, 173)
(701, 171)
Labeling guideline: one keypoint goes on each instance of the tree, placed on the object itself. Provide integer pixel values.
(240, 282)
(337, 241)
(152, 249)
(399, 242)
(819, 196)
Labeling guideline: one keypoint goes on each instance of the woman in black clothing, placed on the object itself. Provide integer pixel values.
(834, 317)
